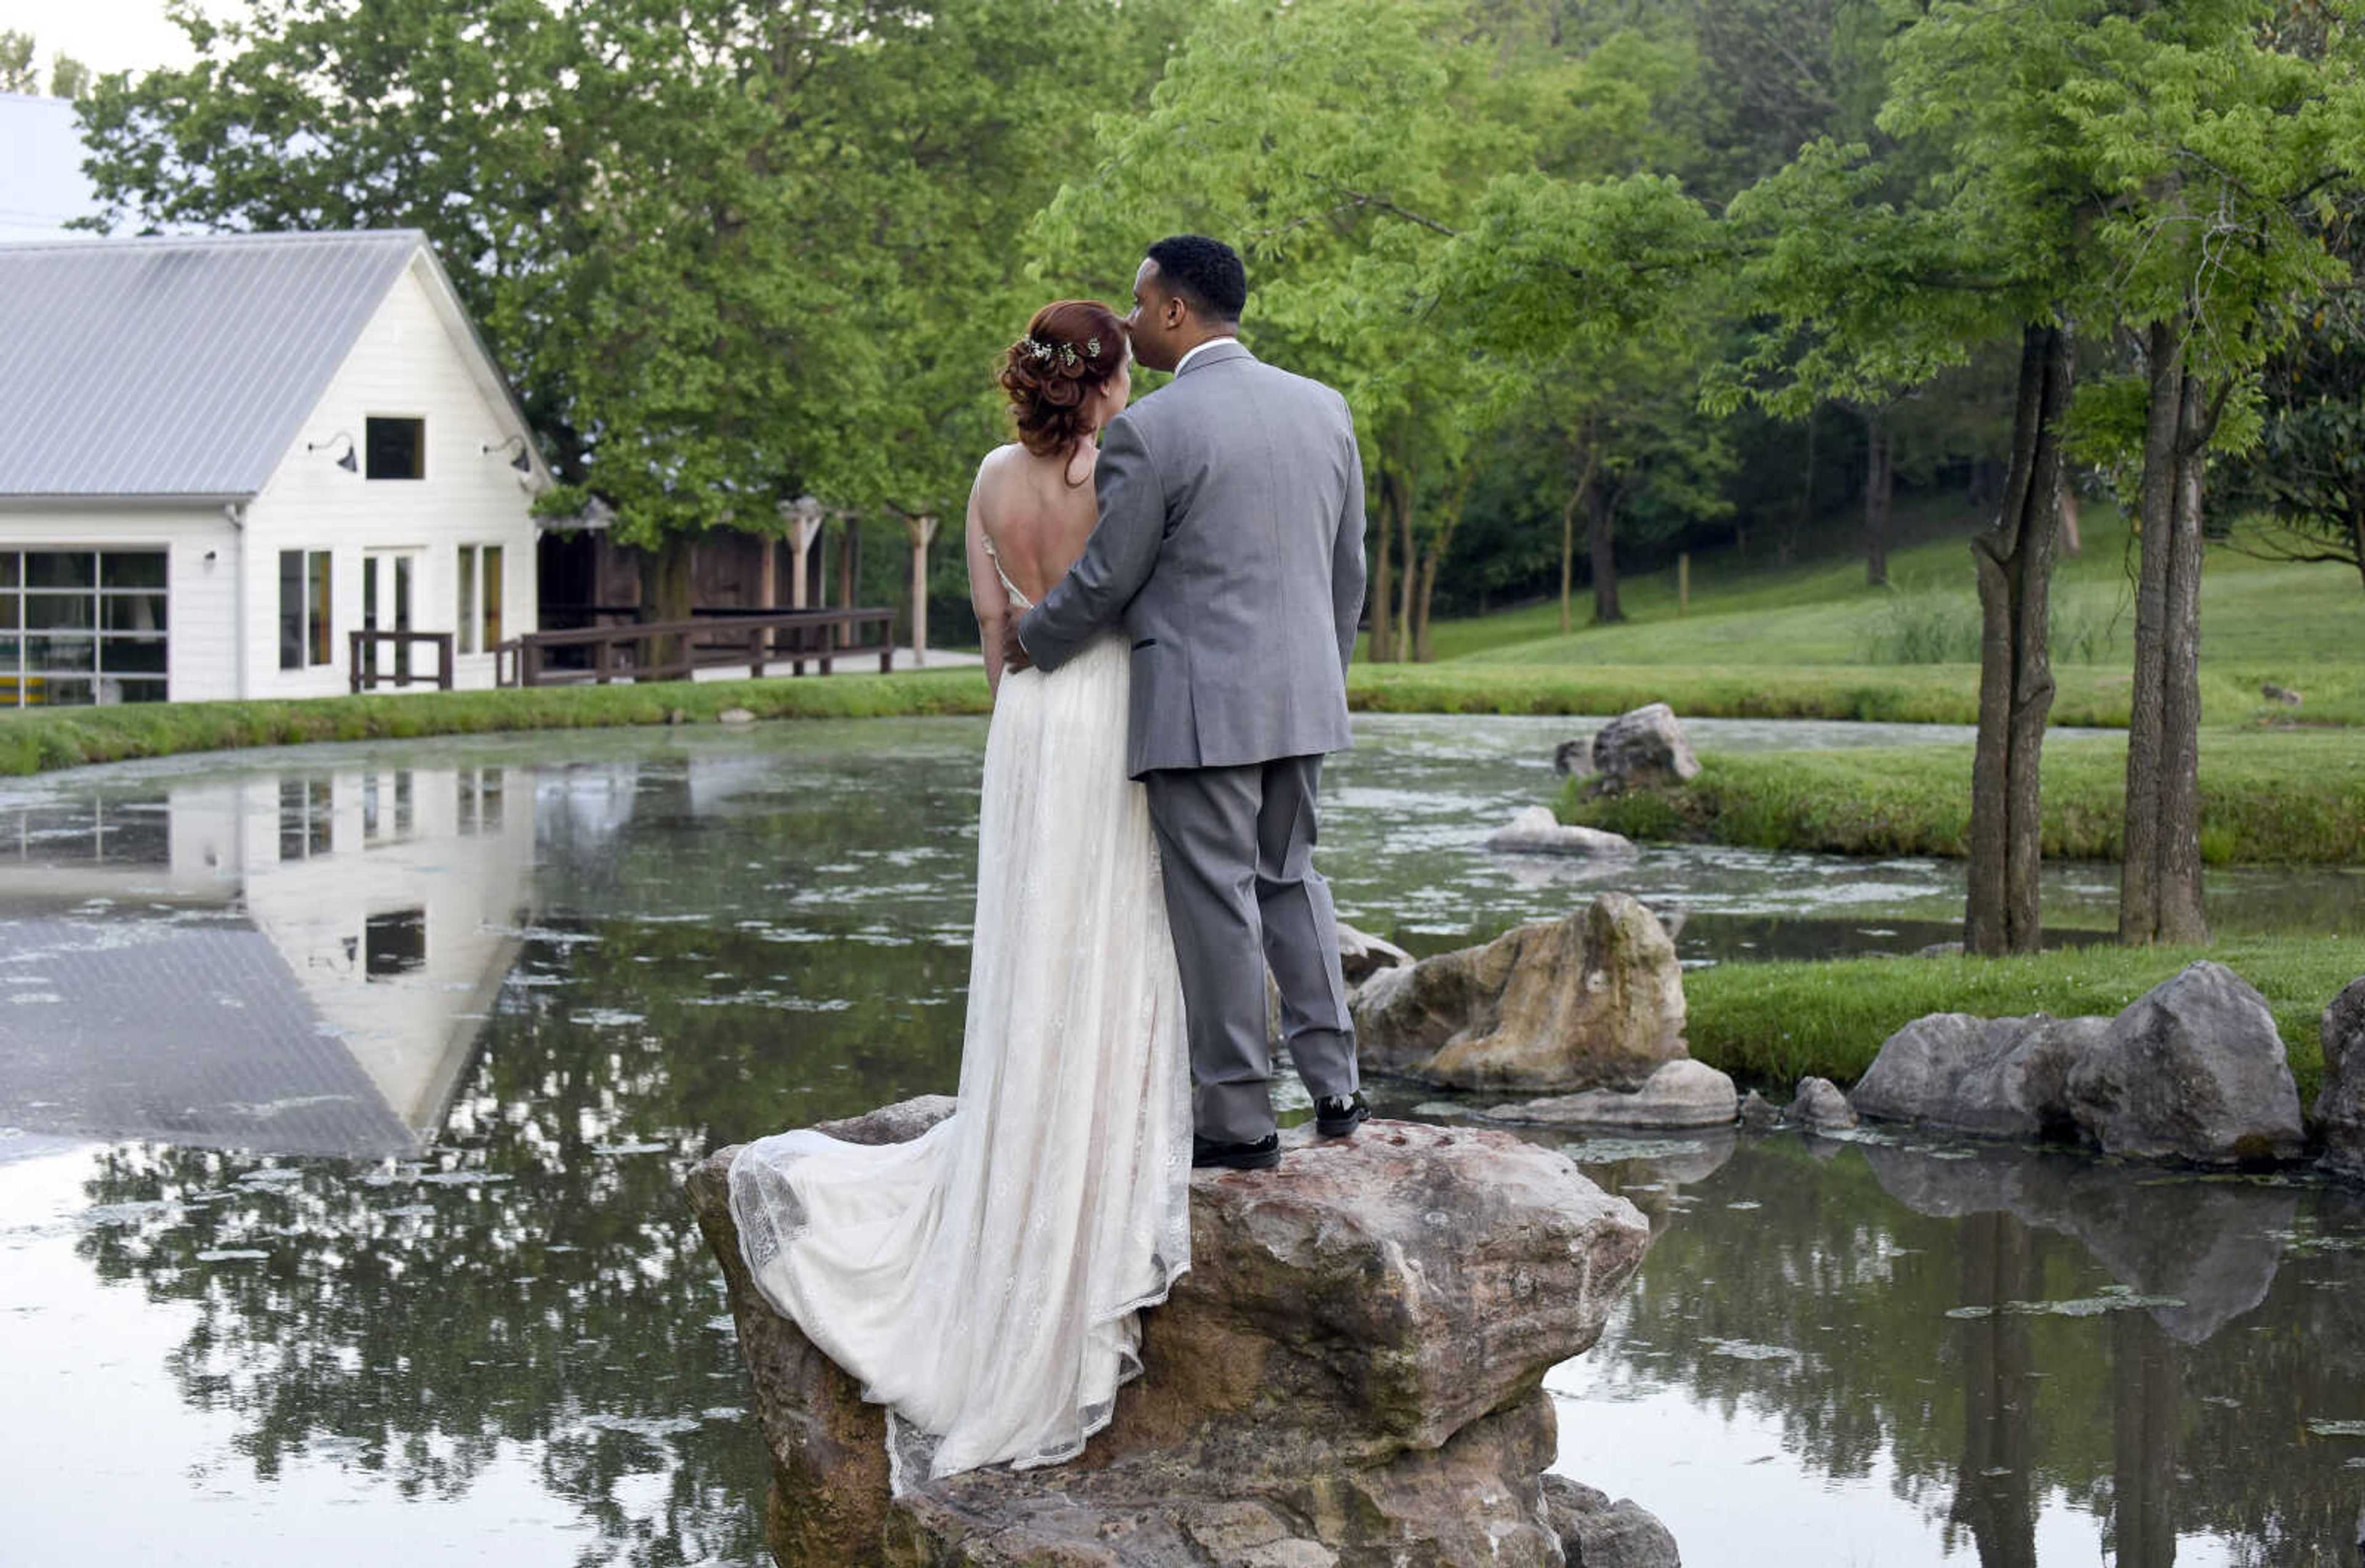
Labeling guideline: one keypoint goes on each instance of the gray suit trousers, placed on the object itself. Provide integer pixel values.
(1241, 894)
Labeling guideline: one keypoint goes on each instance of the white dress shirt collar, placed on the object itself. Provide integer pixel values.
(1183, 363)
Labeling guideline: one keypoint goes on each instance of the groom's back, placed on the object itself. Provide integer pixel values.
(1243, 629)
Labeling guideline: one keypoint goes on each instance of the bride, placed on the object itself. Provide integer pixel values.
(984, 1280)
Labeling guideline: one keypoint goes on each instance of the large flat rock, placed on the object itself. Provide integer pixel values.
(1351, 1374)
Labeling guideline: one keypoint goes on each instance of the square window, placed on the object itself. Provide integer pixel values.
(12, 568)
(394, 944)
(9, 611)
(49, 691)
(397, 449)
(138, 690)
(131, 569)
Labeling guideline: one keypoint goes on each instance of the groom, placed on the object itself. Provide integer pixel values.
(1230, 542)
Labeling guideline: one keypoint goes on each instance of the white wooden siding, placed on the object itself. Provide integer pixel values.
(406, 362)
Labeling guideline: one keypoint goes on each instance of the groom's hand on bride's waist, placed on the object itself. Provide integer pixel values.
(1014, 654)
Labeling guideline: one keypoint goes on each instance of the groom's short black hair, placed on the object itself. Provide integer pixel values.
(1207, 274)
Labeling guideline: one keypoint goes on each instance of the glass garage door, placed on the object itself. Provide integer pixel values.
(79, 627)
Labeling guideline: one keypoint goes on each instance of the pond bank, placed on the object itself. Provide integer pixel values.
(1773, 1023)
(38, 742)
(2266, 798)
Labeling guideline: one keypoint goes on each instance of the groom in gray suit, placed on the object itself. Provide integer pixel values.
(1230, 543)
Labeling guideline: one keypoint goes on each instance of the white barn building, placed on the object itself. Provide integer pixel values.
(219, 455)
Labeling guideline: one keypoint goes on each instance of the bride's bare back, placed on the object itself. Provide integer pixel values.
(1038, 511)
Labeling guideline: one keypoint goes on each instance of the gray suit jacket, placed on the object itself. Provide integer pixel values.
(1230, 541)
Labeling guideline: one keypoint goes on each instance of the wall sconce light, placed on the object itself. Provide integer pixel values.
(349, 463)
(209, 557)
(523, 462)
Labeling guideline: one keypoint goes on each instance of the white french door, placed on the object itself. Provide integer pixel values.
(390, 596)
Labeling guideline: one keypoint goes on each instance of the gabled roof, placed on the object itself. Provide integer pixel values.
(186, 366)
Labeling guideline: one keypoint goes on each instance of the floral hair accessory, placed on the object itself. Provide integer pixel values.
(1038, 351)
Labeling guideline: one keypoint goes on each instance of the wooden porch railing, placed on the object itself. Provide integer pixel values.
(361, 659)
(707, 642)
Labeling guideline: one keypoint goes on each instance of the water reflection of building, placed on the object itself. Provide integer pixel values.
(299, 962)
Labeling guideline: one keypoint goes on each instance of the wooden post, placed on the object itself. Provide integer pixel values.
(804, 528)
(1683, 582)
(920, 530)
(849, 551)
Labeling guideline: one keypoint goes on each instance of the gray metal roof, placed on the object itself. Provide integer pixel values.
(176, 366)
(195, 1036)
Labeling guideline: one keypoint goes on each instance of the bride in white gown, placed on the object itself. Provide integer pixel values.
(984, 1280)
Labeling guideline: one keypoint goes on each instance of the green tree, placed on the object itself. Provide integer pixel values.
(18, 74)
(728, 253)
(2110, 166)
(2305, 479)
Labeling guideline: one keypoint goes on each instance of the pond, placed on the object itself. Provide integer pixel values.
(343, 1093)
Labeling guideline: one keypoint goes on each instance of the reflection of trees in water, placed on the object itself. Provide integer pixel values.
(2149, 1428)
(561, 1302)
(1992, 1498)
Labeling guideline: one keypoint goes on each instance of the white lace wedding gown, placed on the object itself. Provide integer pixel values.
(984, 1280)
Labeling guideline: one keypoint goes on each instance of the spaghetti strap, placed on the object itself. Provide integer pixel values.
(1000, 571)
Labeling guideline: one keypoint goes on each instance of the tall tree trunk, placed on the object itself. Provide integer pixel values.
(1434, 560)
(667, 580)
(1568, 526)
(2073, 541)
(1601, 515)
(1408, 584)
(2159, 870)
(2356, 536)
(1879, 491)
(1384, 637)
(2015, 569)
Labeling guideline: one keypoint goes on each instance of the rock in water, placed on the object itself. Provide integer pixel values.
(735, 716)
(1599, 1533)
(1349, 1376)
(1818, 1106)
(1536, 831)
(1642, 749)
(1682, 1094)
(1574, 758)
(2193, 1069)
(2341, 1105)
(1592, 1001)
(1992, 1077)
(1757, 1113)
(1362, 954)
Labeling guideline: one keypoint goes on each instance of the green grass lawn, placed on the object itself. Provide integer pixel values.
(2267, 797)
(1771, 1024)
(35, 741)
(2297, 626)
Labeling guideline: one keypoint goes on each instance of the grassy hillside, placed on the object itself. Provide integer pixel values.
(2301, 627)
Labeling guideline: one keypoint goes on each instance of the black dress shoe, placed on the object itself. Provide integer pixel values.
(1335, 1116)
(1261, 1155)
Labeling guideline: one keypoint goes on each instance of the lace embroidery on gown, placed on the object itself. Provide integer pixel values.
(984, 1280)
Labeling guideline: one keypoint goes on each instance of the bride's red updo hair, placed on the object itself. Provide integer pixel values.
(1071, 349)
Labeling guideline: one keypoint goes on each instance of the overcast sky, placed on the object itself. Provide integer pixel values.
(106, 35)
